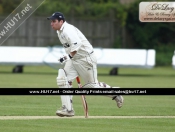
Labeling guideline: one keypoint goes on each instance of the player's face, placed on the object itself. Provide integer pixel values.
(56, 25)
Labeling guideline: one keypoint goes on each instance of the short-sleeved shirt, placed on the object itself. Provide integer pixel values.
(73, 39)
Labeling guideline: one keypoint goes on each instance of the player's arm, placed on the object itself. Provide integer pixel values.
(67, 57)
(74, 40)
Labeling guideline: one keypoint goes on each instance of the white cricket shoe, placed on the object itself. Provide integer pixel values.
(119, 99)
(64, 112)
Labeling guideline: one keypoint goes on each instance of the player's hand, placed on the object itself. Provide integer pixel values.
(65, 58)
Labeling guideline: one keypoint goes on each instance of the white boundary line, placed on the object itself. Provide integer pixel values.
(78, 117)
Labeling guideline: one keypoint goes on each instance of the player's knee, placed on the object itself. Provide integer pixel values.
(96, 85)
(62, 80)
(90, 85)
(104, 85)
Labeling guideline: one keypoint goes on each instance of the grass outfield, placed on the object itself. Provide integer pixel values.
(90, 125)
(134, 106)
(45, 77)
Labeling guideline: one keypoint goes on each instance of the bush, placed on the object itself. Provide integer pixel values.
(7, 6)
(155, 35)
(91, 9)
(164, 55)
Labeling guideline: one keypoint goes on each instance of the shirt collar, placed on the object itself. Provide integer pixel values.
(62, 27)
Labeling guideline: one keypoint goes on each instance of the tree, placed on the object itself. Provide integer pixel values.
(7, 6)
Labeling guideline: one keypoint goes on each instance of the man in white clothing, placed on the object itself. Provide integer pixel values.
(79, 61)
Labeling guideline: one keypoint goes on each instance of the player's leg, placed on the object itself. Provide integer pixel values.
(118, 98)
(64, 81)
(87, 69)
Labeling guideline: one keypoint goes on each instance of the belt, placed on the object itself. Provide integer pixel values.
(82, 56)
(91, 52)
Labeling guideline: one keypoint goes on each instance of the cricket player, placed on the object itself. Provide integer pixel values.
(80, 60)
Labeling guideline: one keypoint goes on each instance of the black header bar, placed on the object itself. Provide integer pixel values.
(87, 91)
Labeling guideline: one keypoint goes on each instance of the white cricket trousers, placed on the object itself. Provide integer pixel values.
(85, 67)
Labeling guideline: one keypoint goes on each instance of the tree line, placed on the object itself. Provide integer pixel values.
(159, 35)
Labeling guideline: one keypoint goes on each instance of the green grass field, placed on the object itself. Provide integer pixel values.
(44, 77)
(134, 106)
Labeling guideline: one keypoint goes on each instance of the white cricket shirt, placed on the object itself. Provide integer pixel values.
(73, 39)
